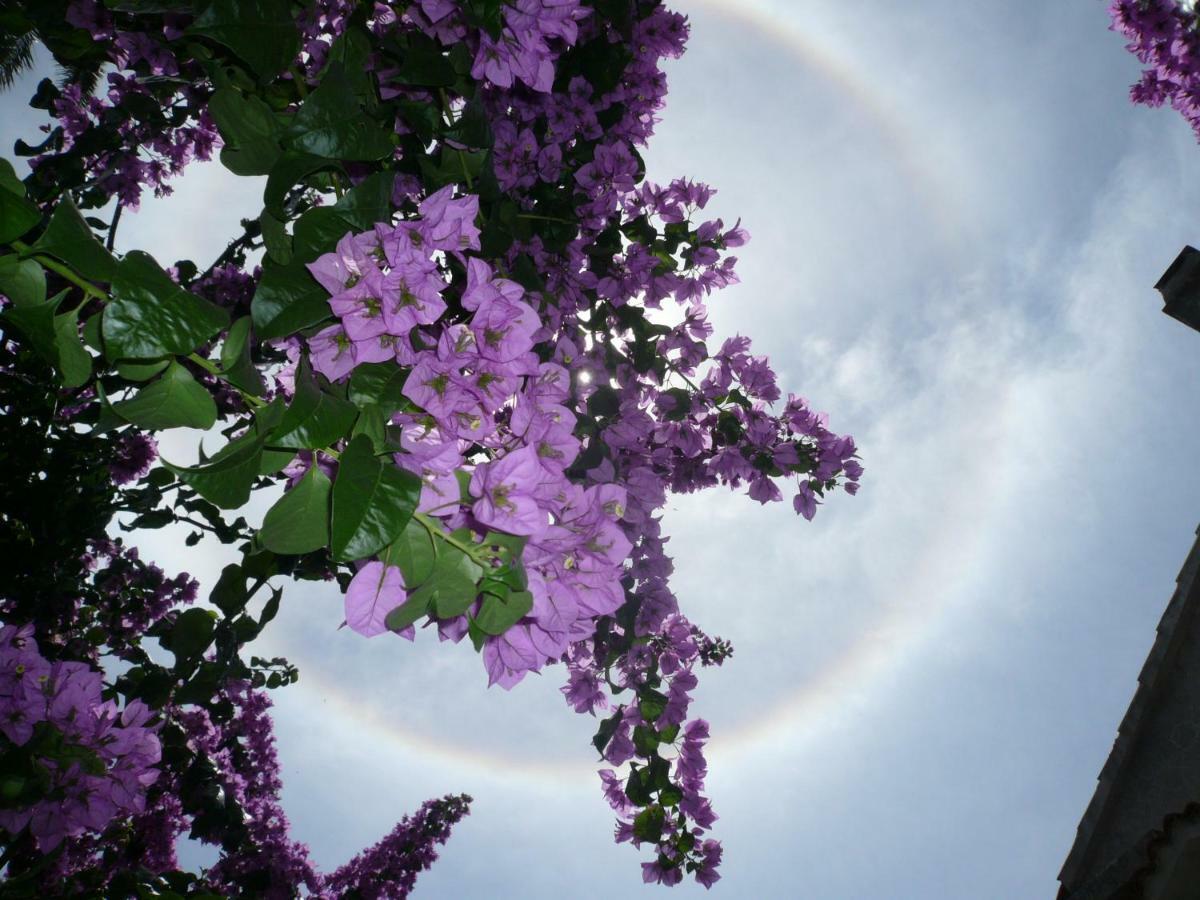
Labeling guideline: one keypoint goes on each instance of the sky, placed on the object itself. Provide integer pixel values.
(957, 219)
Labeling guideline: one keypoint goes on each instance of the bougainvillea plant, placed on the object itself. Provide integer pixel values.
(464, 333)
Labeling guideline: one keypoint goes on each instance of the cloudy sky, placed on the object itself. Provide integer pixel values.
(957, 221)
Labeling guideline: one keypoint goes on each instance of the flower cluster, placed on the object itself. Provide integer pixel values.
(160, 133)
(390, 868)
(1162, 34)
(92, 760)
(476, 386)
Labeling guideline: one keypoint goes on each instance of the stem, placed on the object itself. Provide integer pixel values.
(59, 269)
(211, 369)
(112, 228)
(545, 218)
(227, 254)
(300, 81)
(467, 175)
(436, 531)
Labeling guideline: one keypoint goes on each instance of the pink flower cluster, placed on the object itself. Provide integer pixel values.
(98, 759)
(476, 386)
(1162, 34)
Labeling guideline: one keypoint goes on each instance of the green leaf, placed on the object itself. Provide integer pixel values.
(17, 215)
(151, 316)
(74, 362)
(507, 548)
(381, 384)
(317, 232)
(425, 64)
(36, 323)
(229, 593)
(70, 239)
(333, 122)
(315, 419)
(141, 371)
(670, 796)
(372, 502)
(648, 826)
(261, 32)
(299, 521)
(637, 787)
(275, 461)
(414, 552)
(236, 365)
(372, 423)
(249, 130)
(645, 740)
(278, 242)
(368, 202)
(287, 300)
(226, 479)
(651, 704)
(407, 613)
(498, 614)
(604, 401)
(287, 171)
(175, 400)
(22, 281)
(452, 587)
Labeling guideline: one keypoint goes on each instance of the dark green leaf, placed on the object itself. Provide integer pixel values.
(191, 634)
(299, 521)
(333, 122)
(315, 419)
(226, 479)
(317, 232)
(278, 242)
(287, 300)
(36, 323)
(151, 316)
(261, 32)
(236, 365)
(69, 238)
(141, 371)
(604, 401)
(290, 168)
(248, 128)
(175, 400)
(372, 502)
(605, 732)
(378, 383)
(637, 787)
(368, 202)
(74, 362)
(17, 215)
(229, 593)
(425, 64)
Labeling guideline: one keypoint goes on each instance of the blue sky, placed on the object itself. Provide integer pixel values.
(957, 220)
